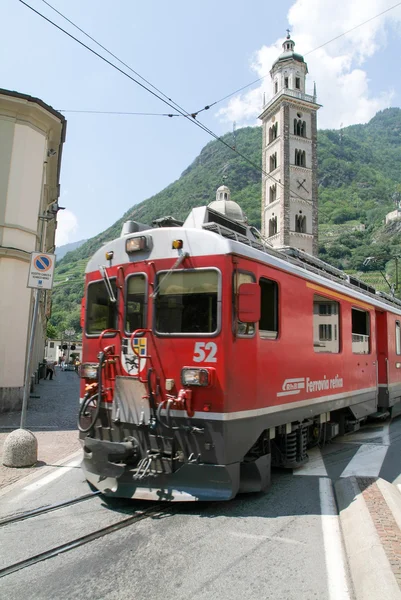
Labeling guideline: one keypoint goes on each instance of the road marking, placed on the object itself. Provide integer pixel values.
(315, 466)
(333, 550)
(367, 462)
(49, 478)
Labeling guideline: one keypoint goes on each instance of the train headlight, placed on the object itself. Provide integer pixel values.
(136, 244)
(89, 370)
(196, 376)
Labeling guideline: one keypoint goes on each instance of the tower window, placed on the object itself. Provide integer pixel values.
(299, 127)
(300, 223)
(273, 132)
(273, 161)
(225, 195)
(297, 83)
(300, 158)
(272, 226)
(273, 193)
(286, 82)
(276, 87)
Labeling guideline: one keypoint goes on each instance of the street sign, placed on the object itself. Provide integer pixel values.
(41, 271)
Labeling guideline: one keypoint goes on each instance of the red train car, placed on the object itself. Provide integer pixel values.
(208, 356)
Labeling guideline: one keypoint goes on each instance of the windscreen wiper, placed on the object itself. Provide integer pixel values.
(105, 277)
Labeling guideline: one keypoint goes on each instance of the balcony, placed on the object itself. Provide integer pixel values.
(292, 94)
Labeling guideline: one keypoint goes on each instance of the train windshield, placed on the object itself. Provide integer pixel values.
(187, 302)
(135, 303)
(101, 313)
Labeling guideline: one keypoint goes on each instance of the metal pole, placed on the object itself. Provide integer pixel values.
(396, 272)
(27, 382)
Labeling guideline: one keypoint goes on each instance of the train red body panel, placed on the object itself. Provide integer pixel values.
(183, 399)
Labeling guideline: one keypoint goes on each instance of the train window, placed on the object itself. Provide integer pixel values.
(326, 315)
(243, 329)
(397, 337)
(360, 331)
(268, 324)
(101, 313)
(187, 302)
(135, 303)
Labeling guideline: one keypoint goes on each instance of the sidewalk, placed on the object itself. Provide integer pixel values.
(370, 515)
(53, 419)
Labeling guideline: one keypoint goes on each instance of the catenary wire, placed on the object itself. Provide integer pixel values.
(208, 106)
(190, 117)
(118, 112)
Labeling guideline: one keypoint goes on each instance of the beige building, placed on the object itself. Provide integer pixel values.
(31, 141)
(289, 156)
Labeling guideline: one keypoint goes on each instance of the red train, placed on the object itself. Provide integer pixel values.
(208, 357)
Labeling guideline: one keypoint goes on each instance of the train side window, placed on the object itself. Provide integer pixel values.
(326, 324)
(101, 313)
(397, 337)
(135, 303)
(242, 329)
(360, 331)
(268, 324)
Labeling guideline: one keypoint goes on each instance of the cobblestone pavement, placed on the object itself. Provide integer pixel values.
(385, 524)
(52, 417)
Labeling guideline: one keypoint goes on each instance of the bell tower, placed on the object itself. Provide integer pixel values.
(289, 156)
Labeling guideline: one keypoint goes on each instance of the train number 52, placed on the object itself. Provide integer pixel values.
(205, 352)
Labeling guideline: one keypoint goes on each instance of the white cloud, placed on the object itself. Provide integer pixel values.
(342, 84)
(67, 224)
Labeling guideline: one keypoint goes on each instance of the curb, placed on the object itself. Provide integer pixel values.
(371, 572)
(23, 481)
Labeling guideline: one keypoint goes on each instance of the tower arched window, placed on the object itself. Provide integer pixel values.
(299, 128)
(300, 223)
(275, 87)
(273, 161)
(273, 132)
(300, 158)
(273, 193)
(225, 195)
(272, 226)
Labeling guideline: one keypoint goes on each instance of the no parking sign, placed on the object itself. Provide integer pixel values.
(41, 271)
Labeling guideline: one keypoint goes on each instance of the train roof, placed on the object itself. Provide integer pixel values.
(207, 232)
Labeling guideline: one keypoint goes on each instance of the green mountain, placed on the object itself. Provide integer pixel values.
(359, 179)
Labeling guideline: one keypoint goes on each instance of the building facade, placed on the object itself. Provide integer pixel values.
(31, 140)
(56, 349)
(289, 183)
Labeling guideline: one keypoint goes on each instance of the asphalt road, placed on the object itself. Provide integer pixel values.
(285, 544)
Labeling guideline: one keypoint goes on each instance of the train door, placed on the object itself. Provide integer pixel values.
(382, 358)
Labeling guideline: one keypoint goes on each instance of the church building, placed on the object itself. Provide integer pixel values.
(289, 183)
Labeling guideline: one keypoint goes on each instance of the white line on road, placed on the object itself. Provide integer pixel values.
(333, 550)
(49, 478)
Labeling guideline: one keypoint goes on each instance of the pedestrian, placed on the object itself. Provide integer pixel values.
(50, 370)
(63, 362)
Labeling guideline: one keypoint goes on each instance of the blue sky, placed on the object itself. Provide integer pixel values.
(196, 53)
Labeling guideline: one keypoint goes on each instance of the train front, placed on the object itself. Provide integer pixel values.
(156, 314)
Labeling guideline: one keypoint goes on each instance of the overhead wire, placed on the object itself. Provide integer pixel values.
(118, 112)
(191, 117)
(208, 106)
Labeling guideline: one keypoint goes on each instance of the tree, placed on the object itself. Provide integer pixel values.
(51, 331)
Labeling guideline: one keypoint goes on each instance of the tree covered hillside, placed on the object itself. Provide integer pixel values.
(359, 179)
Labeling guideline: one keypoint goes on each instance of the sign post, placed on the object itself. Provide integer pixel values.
(21, 446)
(41, 271)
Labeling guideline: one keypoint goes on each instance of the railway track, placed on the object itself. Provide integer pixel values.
(46, 509)
(154, 511)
